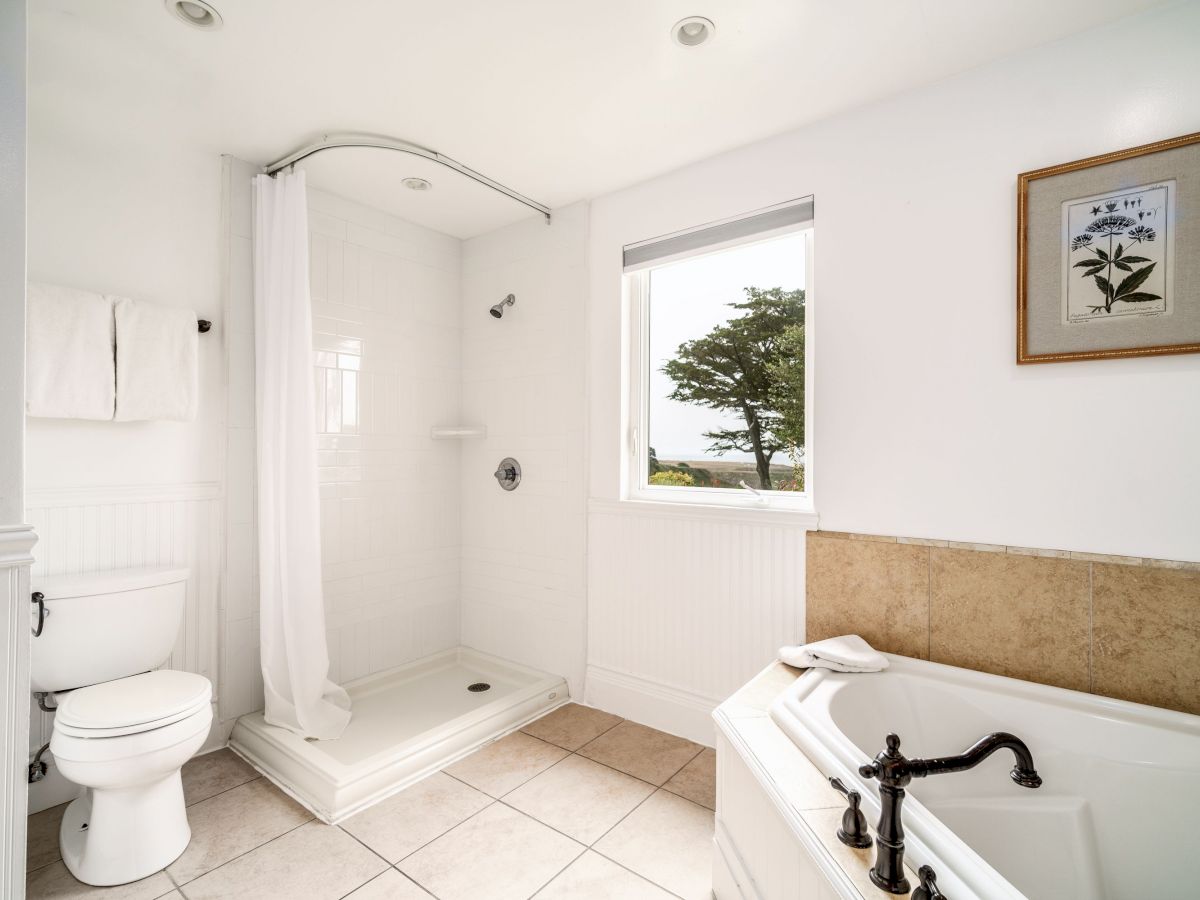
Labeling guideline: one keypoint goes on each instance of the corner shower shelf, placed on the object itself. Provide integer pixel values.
(456, 432)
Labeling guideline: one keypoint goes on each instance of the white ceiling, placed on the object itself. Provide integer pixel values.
(558, 99)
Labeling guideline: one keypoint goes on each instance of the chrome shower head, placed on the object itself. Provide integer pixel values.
(498, 310)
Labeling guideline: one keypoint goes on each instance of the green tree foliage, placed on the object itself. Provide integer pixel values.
(673, 479)
(787, 397)
(750, 366)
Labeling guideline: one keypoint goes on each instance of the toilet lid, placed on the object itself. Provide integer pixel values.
(140, 700)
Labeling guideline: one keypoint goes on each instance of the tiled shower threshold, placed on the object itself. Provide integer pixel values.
(408, 722)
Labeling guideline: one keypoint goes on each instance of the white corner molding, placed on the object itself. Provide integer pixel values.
(16, 556)
(16, 545)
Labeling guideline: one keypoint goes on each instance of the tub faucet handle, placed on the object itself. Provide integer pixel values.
(928, 889)
(853, 832)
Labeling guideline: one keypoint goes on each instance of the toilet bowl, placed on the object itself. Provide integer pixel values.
(124, 742)
(123, 728)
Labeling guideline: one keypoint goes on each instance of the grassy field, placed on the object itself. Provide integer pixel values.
(727, 474)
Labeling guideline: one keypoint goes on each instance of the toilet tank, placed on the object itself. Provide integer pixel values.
(105, 625)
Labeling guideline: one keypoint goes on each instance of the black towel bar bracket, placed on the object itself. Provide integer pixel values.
(204, 325)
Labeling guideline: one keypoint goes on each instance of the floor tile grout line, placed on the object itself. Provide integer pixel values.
(522, 812)
(368, 881)
(592, 845)
(308, 821)
(494, 798)
(574, 859)
(492, 802)
(585, 743)
(29, 872)
(552, 765)
(623, 818)
(619, 864)
(690, 760)
(386, 862)
(411, 880)
(666, 788)
(388, 868)
(224, 791)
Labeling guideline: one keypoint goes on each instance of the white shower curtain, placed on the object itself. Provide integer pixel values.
(295, 658)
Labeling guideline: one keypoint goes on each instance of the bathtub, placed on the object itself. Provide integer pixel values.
(1115, 815)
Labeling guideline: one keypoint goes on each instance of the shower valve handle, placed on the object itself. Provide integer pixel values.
(508, 473)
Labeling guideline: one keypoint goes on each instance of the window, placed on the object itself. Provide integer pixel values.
(718, 396)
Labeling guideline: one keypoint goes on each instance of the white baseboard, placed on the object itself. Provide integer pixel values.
(666, 708)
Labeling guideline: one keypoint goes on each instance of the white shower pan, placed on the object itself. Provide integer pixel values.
(407, 722)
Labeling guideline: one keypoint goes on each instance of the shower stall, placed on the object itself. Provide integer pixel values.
(453, 600)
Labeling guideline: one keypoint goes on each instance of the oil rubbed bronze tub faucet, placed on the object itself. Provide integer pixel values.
(894, 771)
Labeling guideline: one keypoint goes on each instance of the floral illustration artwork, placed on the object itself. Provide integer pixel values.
(1117, 254)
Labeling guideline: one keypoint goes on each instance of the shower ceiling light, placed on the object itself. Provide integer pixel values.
(196, 13)
(417, 184)
(693, 31)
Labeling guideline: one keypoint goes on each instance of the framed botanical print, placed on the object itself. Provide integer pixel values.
(1108, 255)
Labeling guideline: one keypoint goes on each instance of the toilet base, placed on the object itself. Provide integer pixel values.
(114, 836)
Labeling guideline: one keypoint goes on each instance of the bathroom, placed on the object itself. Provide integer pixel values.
(521, 613)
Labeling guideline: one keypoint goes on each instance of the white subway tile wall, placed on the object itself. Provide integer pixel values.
(386, 364)
(523, 564)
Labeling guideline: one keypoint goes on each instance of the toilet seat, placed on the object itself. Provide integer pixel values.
(133, 705)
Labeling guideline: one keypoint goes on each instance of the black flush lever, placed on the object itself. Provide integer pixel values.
(40, 599)
(853, 832)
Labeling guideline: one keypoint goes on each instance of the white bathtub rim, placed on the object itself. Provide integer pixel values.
(1126, 710)
(960, 868)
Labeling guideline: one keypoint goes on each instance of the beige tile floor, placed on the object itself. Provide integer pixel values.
(579, 804)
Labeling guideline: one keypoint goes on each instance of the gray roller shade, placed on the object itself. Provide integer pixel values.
(794, 213)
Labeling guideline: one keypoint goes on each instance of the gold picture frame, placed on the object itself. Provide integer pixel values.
(1143, 302)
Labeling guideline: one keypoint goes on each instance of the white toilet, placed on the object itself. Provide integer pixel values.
(121, 730)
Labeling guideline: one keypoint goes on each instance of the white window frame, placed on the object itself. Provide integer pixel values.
(637, 374)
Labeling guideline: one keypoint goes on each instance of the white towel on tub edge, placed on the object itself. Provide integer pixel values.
(848, 653)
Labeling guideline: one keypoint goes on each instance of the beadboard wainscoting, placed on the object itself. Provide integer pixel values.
(96, 529)
(16, 544)
(685, 606)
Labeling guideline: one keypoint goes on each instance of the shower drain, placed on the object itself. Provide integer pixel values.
(479, 687)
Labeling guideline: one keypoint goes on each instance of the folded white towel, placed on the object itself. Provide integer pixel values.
(157, 370)
(848, 653)
(69, 370)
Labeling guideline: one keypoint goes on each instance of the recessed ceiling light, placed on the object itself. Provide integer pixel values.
(693, 31)
(417, 184)
(196, 13)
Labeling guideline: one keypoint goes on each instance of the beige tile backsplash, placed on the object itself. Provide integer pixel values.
(1119, 626)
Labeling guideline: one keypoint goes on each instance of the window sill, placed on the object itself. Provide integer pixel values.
(797, 517)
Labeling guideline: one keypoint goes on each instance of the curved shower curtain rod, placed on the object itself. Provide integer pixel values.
(332, 142)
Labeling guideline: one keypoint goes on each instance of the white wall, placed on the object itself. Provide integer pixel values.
(523, 378)
(136, 217)
(137, 214)
(923, 425)
(386, 342)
